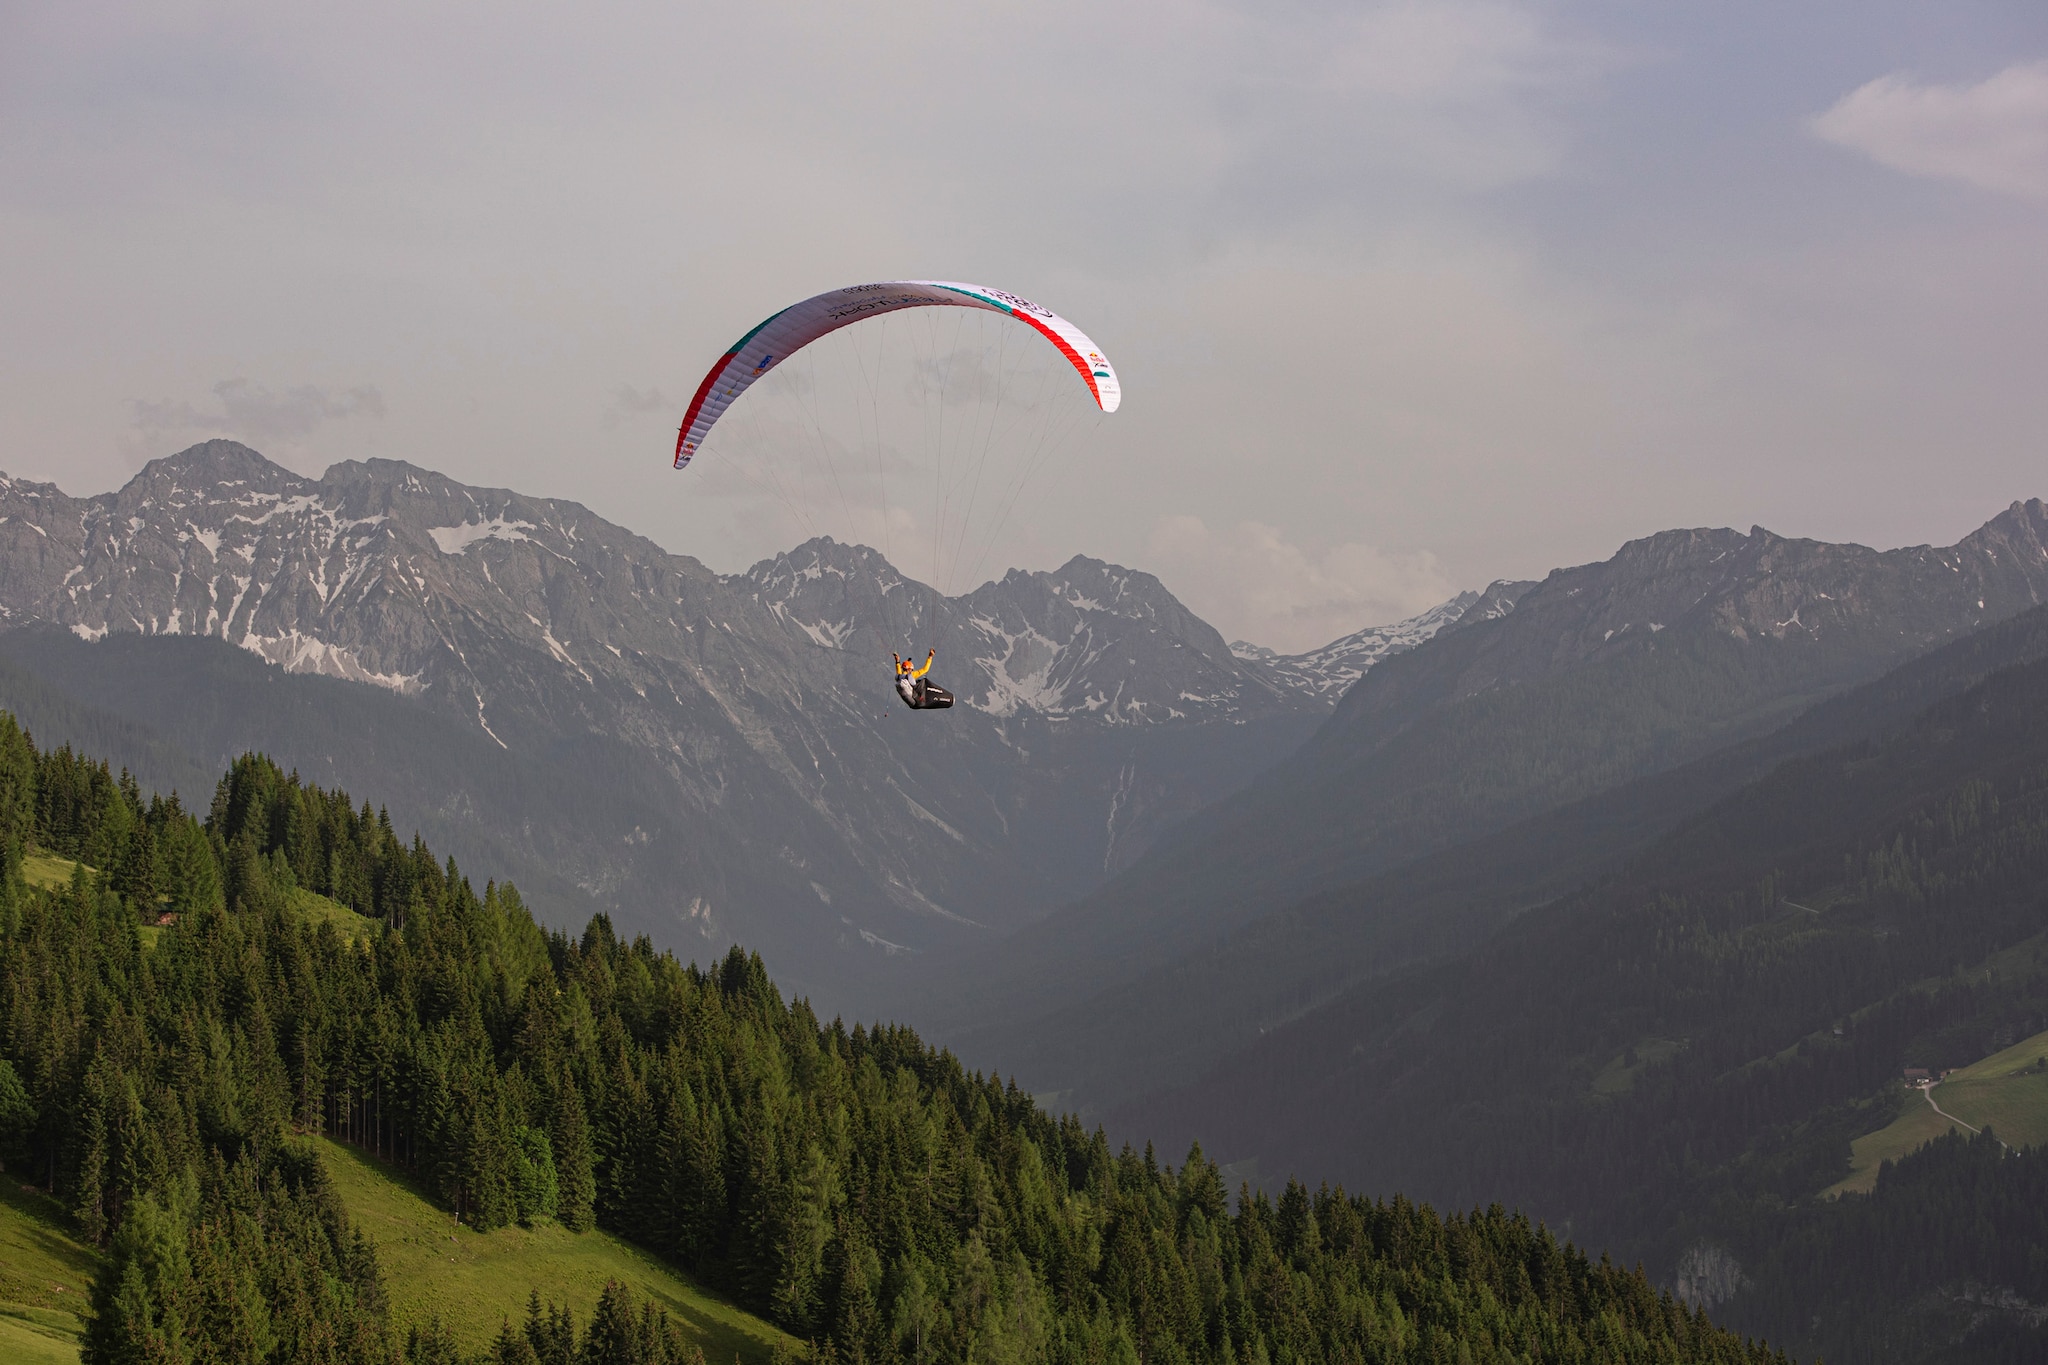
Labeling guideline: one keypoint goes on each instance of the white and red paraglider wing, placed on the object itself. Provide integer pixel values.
(797, 326)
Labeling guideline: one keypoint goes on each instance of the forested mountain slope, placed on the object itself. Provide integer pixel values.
(856, 1186)
(1681, 644)
(1676, 1057)
(1165, 1027)
(717, 757)
(176, 710)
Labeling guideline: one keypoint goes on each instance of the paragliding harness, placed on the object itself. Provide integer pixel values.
(918, 692)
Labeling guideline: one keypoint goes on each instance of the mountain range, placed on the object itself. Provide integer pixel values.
(713, 758)
(717, 758)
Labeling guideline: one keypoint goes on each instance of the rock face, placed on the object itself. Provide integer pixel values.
(1707, 1276)
(771, 787)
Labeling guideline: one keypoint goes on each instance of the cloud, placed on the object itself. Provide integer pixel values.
(629, 402)
(1251, 583)
(250, 412)
(1992, 134)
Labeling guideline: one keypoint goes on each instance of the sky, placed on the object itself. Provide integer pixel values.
(1404, 297)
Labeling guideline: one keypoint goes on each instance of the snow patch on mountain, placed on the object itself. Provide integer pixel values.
(1019, 673)
(455, 540)
(297, 653)
(1330, 670)
(273, 504)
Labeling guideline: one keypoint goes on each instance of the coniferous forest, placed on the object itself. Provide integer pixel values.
(173, 1023)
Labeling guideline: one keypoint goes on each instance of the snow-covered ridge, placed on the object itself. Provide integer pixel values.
(373, 573)
(269, 562)
(1327, 672)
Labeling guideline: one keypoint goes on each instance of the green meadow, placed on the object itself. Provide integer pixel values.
(45, 1275)
(2006, 1092)
(475, 1281)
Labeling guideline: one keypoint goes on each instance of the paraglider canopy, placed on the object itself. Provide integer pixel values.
(795, 327)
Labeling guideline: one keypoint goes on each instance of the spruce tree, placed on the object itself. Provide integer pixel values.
(576, 1184)
(511, 1348)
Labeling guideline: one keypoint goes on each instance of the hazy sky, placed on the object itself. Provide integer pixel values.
(1404, 297)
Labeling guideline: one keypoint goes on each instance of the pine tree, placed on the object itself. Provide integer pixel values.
(511, 1348)
(17, 1115)
(576, 1185)
(613, 1337)
(89, 1188)
(551, 1335)
(431, 1344)
(140, 1299)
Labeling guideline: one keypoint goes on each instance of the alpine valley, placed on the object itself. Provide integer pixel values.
(1624, 897)
(712, 759)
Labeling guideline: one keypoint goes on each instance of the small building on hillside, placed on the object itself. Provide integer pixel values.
(1918, 1075)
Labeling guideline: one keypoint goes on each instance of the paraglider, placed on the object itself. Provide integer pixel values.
(783, 335)
(918, 692)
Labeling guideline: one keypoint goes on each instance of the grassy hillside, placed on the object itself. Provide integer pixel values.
(2007, 1092)
(472, 1282)
(432, 1268)
(45, 1274)
(37, 1337)
(47, 870)
(475, 1281)
(51, 872)
(320, 909)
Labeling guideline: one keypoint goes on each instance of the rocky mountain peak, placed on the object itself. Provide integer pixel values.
(217, 462)
(212, 473)
(1841, 599)
(823, 557)
(2021, 529)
